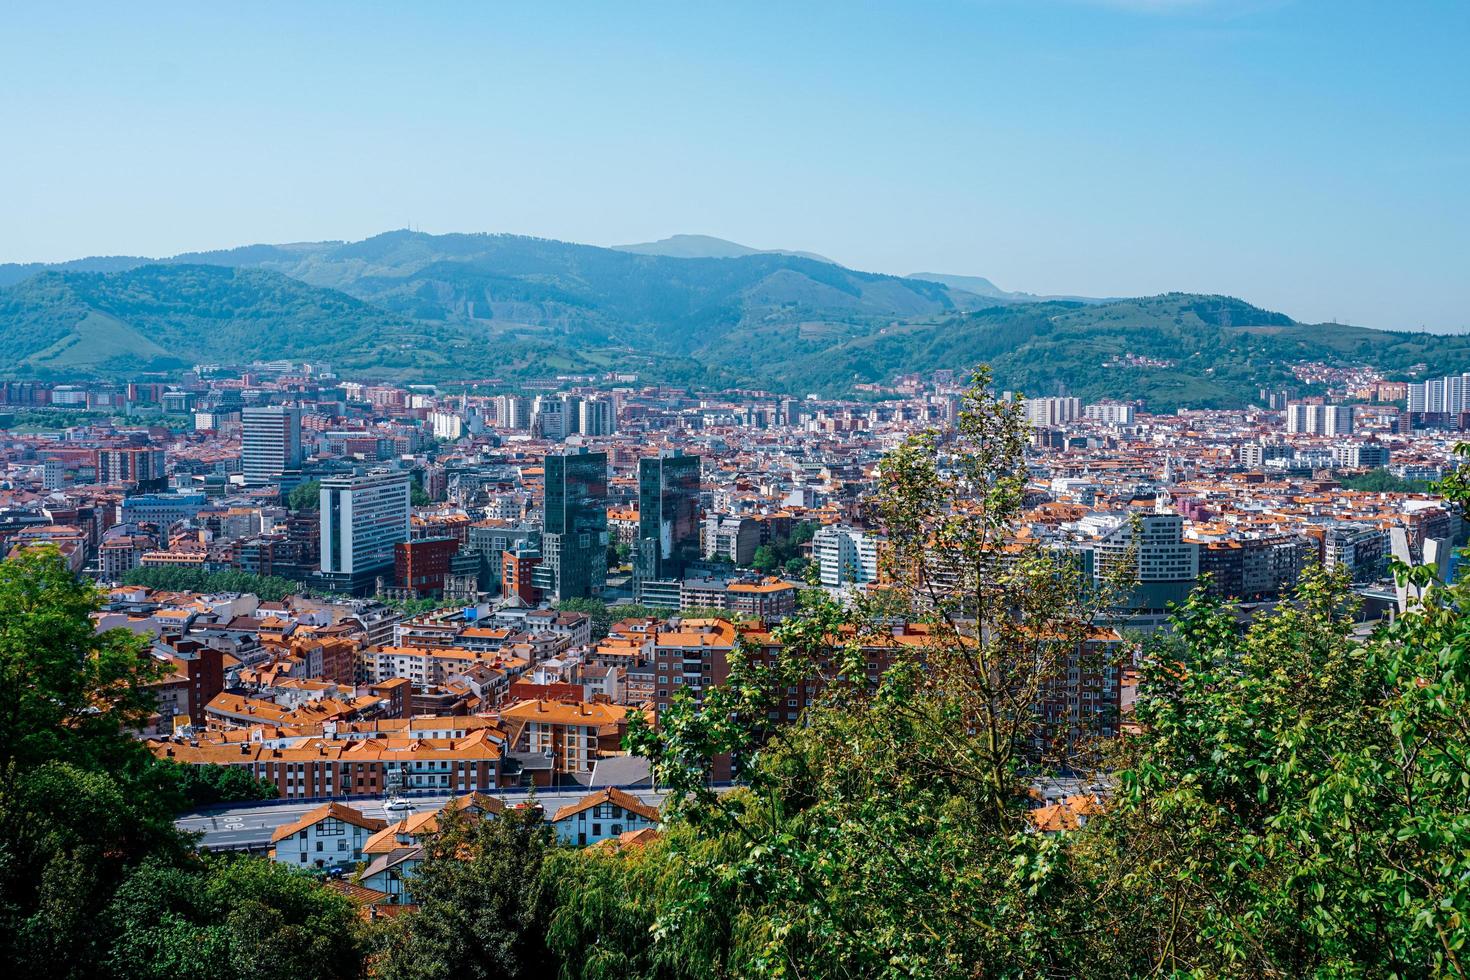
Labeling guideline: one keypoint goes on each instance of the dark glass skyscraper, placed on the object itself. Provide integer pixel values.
(574, 532)
(668, 516)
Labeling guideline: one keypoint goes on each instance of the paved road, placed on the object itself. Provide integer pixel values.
(249, 827)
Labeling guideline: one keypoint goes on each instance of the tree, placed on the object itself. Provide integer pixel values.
(84, 806)
(271, 588)
(417, 495)
(305, 496)
(80, 800)
(932, 760)
(483, 902)
(1299, 803)
(764, 559)
(208, 785)
(231, 917)
(66, 691)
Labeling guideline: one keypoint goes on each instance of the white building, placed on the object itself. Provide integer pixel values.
(1319, 420)
(1450, 394)
(608, 813)
(362, 518)
(270, 442)
(845, 555)
(331, 836)
(597, 417)
(1052, 411)
(1361, 455)
(1109, 413)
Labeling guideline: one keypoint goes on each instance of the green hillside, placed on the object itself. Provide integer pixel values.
(410, 306)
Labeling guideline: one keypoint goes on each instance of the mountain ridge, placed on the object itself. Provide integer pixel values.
(410, 306)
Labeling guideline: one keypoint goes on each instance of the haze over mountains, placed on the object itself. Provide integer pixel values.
(688, 309)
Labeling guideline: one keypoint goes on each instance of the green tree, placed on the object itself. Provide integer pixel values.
(84, 806)
(932, 761)
(208, 785)
(483, 903)
(305, 496)
(66, 691)
(231, 918)
(1299, 803)
(764, 559)
(417, 495)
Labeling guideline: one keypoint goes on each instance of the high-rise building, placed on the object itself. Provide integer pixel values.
(1052, 411)
(1361, 455)
(1319, 420)
(512, 412)
(597, 417)
(132, 466)
(668, 517)
(1108, 413)
(1150, 550)
(1449, 395)
(270, 442)
(845, 556)
(574, 530)
(362, 518)
(549, 418)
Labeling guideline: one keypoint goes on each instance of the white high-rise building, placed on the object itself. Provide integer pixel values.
(362, 518)
(1109, 413)
(1319, 420)
(270, 442)
(597, 417)
(1449, 394)
(549, 418)
(512, 412)
(1052, 411)
(845, 555)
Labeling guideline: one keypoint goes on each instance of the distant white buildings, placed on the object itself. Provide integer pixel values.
(1109, 413)
(1450, 394)
(1053, 411)
(1319, 420)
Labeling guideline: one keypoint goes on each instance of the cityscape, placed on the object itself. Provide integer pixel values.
(484, 492)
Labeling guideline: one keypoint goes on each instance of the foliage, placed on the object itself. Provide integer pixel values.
(930, 762)
(603, 615)
(609, 903)
(305, 496)
(483, 902)
(785, 555)
(171, 578)
(1381, 481)
(84, 806)
(225, 918)
(65, 690)
(414, 607)
(435, 307)
(764, 560)
(417, 495)
(201, 786)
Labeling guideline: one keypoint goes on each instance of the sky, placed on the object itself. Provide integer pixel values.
(1310, 156)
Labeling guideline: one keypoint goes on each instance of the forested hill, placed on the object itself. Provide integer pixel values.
(406, 305)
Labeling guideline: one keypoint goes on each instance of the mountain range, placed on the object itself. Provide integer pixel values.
(688, 310)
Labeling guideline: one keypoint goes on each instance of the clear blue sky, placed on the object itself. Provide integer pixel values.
(1312, 157)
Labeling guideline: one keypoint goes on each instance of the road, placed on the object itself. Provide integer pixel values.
(250, 827)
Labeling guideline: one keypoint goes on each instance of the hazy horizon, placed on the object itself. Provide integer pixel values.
(1301, 156)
